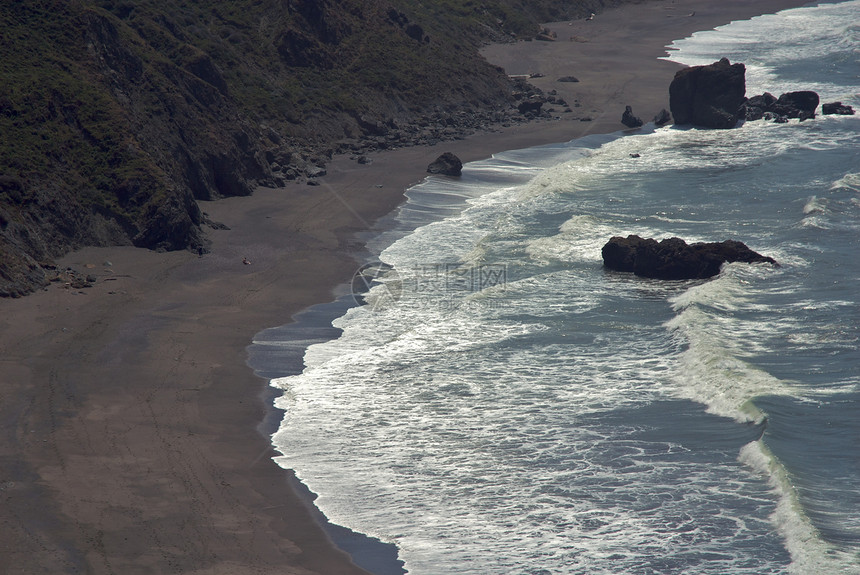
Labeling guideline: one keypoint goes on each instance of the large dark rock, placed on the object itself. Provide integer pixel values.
(447, 164)
(708, 96)
(673, 258)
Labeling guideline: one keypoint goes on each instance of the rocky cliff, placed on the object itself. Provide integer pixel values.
(116, 116)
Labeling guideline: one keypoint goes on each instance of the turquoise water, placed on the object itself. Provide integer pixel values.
(503, 404)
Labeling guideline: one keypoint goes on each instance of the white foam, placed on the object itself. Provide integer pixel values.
(767, 44)
(718, 323)
(489, 431)
(467, 453)
(810, 554)
(850, 181)
(815, 205)
(579, 239)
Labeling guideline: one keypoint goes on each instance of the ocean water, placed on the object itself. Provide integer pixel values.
(502, 404)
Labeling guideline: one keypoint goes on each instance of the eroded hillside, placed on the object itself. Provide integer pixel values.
(116, 116)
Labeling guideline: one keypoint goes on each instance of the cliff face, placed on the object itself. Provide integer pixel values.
(116, 116)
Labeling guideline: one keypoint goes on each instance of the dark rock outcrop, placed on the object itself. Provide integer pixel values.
(447, 164)
(629, 120)
(708, 96)
(673, 258)
(837, 108)
(531, 105)
(712, 96)
(801, 104)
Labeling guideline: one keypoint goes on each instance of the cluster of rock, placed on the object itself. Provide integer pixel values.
(289, 165)
(67, 278)
(713, 96)
(630, 120)
(673, 258)
(70, 278)
(443, 125)
(800, 105)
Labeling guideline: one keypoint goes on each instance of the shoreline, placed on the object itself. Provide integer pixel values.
(131, 420)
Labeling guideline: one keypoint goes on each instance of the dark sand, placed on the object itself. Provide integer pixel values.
(130, 439)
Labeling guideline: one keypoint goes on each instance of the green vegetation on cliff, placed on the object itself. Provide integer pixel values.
(117, 115)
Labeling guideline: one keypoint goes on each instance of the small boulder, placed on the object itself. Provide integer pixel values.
(801, 104)
(315, 171)
(416, 32)
(447, 164)
(629, 120)
(837, 108)
(531, 105)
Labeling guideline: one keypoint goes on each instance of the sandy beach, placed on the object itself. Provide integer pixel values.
(131, 423)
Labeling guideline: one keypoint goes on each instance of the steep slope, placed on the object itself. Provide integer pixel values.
(116, 116)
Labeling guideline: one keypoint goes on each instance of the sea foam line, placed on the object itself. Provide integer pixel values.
(810, 554)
